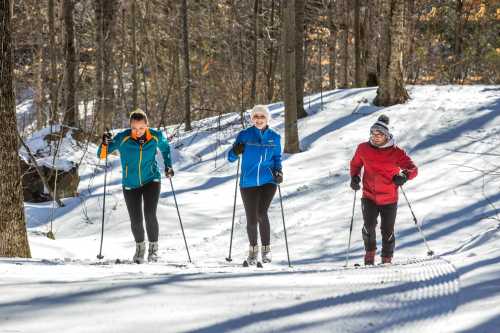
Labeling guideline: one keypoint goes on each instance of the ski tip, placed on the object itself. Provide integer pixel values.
(357, 265)
(259, 264)
(245, 263)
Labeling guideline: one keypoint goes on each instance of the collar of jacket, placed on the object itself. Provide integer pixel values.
(149, 136)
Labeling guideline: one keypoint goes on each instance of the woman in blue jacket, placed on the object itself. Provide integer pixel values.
(261, 170)
(141, 178)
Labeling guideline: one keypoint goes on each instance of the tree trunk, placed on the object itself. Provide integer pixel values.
(13, 235)
(187, 71)
(253, 91)
(391, 89)
(53, 64)
(372, 39)
(105, 11)
(71, 109)
(135, 79)
(458, 42)
(342, 10)
(289, 68)
(299, 56)
(357, 46)
(271, 69)
(332, 44)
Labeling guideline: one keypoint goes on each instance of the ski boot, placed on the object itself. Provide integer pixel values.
(253, 252)
(266, 254)
(370, 257)
(140, 251)
(153, 252)
(386, 260)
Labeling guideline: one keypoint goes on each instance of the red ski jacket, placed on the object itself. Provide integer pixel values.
(380, 165)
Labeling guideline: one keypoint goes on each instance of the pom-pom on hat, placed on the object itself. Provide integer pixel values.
(382, 125)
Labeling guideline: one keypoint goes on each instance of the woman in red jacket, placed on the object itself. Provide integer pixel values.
(386, 166)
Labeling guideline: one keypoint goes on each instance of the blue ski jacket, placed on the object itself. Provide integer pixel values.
(261, 156)
(138, 161)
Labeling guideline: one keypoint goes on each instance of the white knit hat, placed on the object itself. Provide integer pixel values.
(261, 109)
(382, 125)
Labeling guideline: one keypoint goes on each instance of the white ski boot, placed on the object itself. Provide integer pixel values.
(153, 252)
(266, 254)
(253, 253)
(140, 251)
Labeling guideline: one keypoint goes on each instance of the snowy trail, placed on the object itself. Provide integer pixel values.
(408, 295)
(453, 134)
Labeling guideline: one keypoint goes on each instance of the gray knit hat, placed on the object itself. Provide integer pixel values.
(382, 125)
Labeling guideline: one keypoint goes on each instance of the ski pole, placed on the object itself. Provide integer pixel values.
(350, 231)
(180, 221)
(284, 226)
(100, 256)
(429, 251)
(234, 211)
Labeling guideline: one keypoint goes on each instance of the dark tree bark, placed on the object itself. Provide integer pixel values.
(357, 46)
(105, 13)
(299, 56)
(342, 15)
(332, 45)
(13, 235)
(289, 74)
(457, 67)
(391, 89)
(187, 71)
(71, 109)
(135, 78)
(54, 102)
(272, 54)
(253, 90)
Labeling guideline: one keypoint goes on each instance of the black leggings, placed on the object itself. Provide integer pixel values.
(257, 201)
(133, 198)
(387, 213)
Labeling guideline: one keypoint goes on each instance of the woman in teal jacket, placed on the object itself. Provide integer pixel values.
(261, 170)
(141, 178)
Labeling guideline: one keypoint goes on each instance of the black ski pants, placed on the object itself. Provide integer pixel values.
(257, 201)
(150, 194)
(387, 213)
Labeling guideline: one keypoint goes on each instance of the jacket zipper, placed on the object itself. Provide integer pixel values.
(258, 171)
(126, 171)
(140, 162)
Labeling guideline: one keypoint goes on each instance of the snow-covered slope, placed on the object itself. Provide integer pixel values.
(451, 132)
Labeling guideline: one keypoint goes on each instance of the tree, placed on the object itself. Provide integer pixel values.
(53, 65)
(289, 74)
(299, 56)
(391, 88)
(343, 35)
(357, 46)
(105, 12)
(70, 107)
(13, 235)
(332, 44)
(187, 71)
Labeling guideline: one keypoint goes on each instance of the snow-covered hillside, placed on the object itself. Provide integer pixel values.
(451, 132)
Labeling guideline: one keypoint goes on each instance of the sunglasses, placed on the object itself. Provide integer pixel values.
(377, 134)
(259, 117)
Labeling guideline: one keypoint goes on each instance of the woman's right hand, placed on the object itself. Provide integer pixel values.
(106, 139)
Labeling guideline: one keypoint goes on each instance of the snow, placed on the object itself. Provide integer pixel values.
(451, 132)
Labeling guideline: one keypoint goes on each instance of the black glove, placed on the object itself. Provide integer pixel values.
(400, 179)
(355, 180)
(278, 176)
(238, 148)
(106, 139)
(169, 172)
